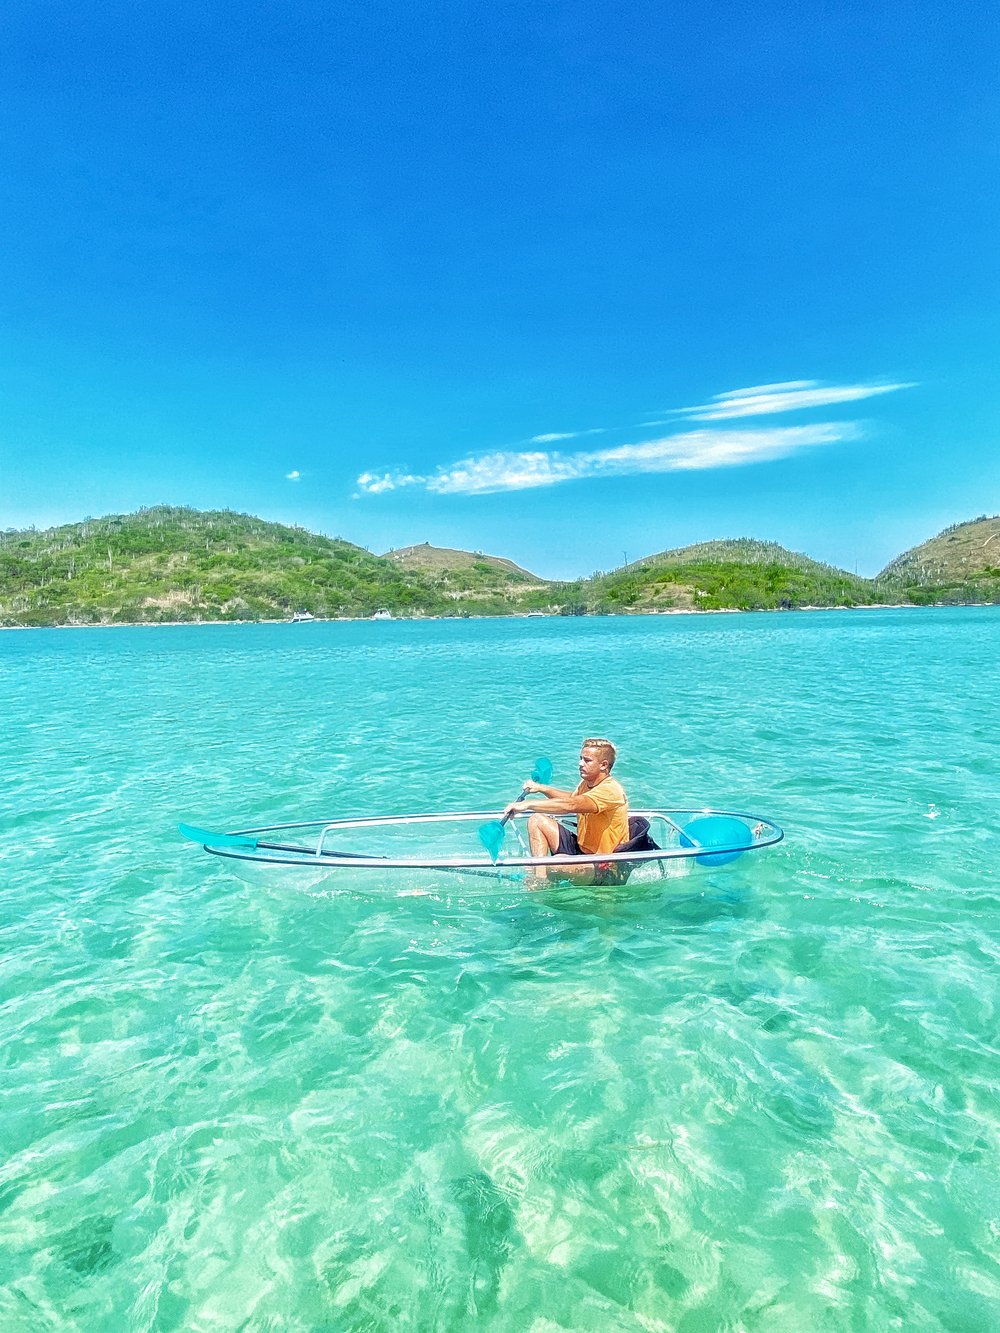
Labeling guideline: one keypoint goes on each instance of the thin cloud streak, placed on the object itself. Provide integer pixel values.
(555, 436)
(791, 396)
(783, 387)
(690, 451)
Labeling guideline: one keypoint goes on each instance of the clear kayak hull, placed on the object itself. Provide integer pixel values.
(451, 842)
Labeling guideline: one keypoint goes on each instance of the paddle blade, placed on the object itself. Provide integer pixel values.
(717, 831)
(491, 835)
(209, 839)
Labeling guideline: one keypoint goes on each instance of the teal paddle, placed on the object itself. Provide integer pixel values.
(491, 835)
(209, 839)
(710, 831)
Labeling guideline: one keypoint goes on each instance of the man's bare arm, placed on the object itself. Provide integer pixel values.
(559, 803)
(550, 793)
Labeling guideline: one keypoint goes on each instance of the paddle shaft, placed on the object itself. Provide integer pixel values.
(510, 813)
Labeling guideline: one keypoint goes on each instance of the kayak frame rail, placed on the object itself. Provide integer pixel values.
(765, 833)
(322, 834)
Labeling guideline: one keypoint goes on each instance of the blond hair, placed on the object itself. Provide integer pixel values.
(605, 749)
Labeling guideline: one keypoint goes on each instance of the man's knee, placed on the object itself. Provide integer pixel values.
(541, 833)
(543, 824)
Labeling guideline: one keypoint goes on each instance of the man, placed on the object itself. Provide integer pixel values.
(599, 803)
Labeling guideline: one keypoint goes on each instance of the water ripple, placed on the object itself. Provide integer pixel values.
(758, 1098)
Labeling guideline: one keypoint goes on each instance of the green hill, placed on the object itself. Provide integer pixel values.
(739, 550)
(742, 573)
(960, 564)
(441, 559)
(176, 564)
(167, 564)
(471, 580)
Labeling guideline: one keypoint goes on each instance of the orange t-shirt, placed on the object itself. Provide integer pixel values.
(603, 830)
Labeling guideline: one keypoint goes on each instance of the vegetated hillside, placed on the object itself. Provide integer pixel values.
(167, 564)
(433, 559)
(469, 579)
(743, 573)
(960, 564)
(739, 550)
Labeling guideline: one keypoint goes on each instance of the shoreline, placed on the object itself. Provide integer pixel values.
(409, 620)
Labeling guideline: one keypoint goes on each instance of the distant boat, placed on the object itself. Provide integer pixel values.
(535, 613)
(298, 616)
(382, 614)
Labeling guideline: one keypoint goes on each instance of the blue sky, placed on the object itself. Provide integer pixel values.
(569, 283)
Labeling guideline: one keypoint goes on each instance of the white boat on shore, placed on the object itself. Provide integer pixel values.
(383, 613)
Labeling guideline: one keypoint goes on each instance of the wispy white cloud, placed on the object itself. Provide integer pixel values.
(790, 396)
(554, 436)
(377, 483)
(689, 451)
(293, 476)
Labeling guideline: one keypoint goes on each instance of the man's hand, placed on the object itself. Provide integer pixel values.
(538, 788)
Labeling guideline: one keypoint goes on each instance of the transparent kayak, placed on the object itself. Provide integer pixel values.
(453, 842)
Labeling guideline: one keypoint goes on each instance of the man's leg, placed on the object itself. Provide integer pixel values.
(543, 836)
(543, 839)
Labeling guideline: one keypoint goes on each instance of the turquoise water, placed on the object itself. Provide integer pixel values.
(760, 1097)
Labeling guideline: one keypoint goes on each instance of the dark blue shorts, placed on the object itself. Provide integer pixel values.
(605, 872)
(611, 872)
(568, 845)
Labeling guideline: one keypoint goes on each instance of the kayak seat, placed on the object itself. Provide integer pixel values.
(638, 840)
(638, 837)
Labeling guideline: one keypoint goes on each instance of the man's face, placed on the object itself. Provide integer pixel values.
(592, 768)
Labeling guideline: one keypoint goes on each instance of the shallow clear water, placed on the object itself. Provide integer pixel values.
(759, 1097)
